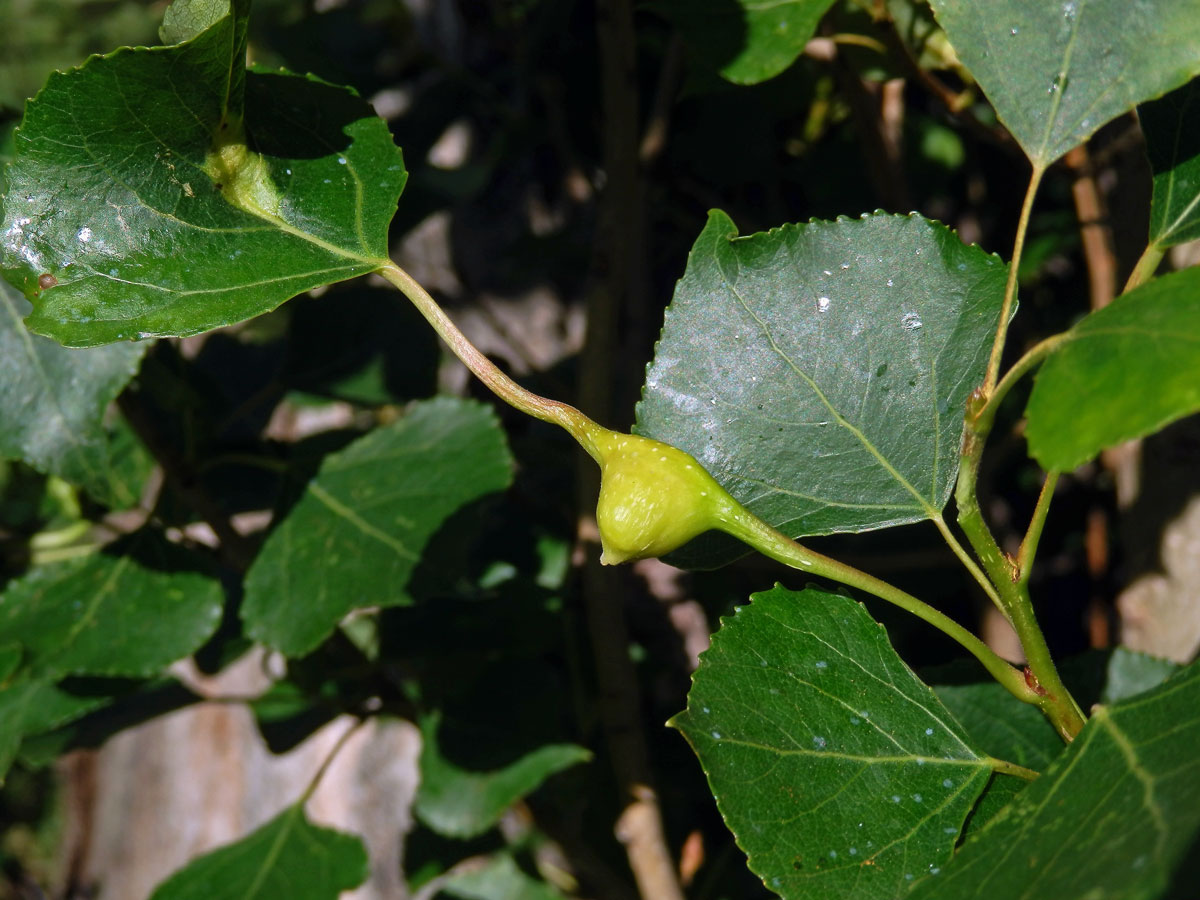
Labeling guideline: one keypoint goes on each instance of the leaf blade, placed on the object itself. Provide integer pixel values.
(348, 544)
(1125, 371)
(746, 42)
(838, 771)
(52, 402)
(1172, 129)
(286, 857)
(1116, 811)
(1056, 72)
(139, 189)
(817, 376)
(462, 804)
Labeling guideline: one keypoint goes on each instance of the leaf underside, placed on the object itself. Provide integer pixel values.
(1057, 71)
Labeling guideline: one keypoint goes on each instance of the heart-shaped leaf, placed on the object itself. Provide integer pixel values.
(839, 772)
(166, 191)
(820, 372)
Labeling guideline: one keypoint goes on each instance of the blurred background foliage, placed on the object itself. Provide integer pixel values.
(498, 105)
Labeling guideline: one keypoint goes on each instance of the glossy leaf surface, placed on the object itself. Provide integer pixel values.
(288, 857)
(820, 372)
(1172, 129)
(52, 403)
(358, 532)
(462, 804)
(1057, 71)
(1111, 817)
(1127, 370)
(141, 202)
(839, 772)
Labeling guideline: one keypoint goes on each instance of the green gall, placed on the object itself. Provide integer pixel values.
(653, 497)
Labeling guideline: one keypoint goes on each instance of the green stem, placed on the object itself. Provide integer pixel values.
(968, 562)
(747, 527)
(1053, 698)
(568, 417)
(1010, 287)
(341, 742)
(983, 417)
(1146, 266)
(1033, 534)
(738, 521)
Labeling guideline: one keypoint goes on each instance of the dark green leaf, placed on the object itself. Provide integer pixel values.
(820, 372)
(1172, 129)
(1109, 820)
(124, 704)
(33, 706)
(140, 190)
(1127, 370)
(52, 402)
(840, 773)
(745, 40)
(999, 723)
(461, 804)
(288, 857)
(1057, 71)
(107, 615)
(497, 878)
(359, 531)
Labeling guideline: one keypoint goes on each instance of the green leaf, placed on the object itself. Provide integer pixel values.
(820, 372)
(461, 804)
(999, 723)
(288, 857)
(1172, 129)
(1131, 673)
(157, 209)
(359, 531)
(52, 402)
(1111, 817)
(839, 772)
(123, 704)
(496, 878)
(32, 706)
(747, 41)
(1057, 71)
(185, 19)
(109, 615)
(1125, 371)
